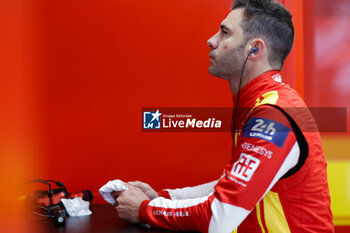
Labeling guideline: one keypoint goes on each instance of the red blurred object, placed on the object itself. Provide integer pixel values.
(53, 197)
(41, 198)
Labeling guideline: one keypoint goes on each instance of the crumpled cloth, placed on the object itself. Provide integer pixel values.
(76, 206)
(111, 186)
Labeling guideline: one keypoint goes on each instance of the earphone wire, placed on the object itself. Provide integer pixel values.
(46, 216)
(236, 105)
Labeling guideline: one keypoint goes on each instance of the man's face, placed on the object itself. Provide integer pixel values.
(227, 48)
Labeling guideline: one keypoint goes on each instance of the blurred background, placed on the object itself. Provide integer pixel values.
(75, 75)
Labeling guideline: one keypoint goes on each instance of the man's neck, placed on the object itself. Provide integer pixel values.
(247, 77)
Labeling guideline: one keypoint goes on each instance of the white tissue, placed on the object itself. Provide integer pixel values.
(76, 206)
(111, 186)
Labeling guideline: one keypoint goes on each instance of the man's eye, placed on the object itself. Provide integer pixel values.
(224, 32)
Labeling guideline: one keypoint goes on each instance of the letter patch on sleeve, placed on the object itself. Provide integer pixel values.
(267, 130)
(245, 167)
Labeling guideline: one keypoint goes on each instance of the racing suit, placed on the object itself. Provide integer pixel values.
(276, 180)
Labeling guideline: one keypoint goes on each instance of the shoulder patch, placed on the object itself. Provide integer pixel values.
(270, 97)
(267, 130)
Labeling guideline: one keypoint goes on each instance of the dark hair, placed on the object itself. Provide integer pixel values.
(270, 20)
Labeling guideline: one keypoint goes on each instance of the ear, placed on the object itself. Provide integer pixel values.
(256, 47)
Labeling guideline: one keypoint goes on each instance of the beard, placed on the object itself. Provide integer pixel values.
(229, 64)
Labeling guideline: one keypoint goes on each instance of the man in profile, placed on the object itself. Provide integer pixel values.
(276, 180)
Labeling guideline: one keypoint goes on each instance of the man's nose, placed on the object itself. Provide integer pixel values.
(212, 42)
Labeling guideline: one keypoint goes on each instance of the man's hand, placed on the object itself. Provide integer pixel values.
(146, 188)
(128, 204)
(115, 195)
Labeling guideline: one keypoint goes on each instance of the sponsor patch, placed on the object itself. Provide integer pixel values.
(245, 167)
(171, 213)
(257, 149)
(267, 130)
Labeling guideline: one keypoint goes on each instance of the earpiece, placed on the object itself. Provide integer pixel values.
(254, 50)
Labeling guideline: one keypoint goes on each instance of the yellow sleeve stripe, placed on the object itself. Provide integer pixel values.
(274, 215)
(258, 214)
